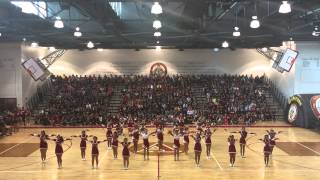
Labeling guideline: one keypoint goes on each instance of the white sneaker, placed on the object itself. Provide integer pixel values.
(230, 165)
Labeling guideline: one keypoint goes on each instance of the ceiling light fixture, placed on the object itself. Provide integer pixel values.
(157, 34)
(156, 24)
(58, 23)
(255, 23)
(285, 7)
(236, 32)
(225, 44)
(77, 33)
(216, 49)
(264, 49)
(0, 34)
(34, 44)
(158, 42)
(316, 31)
(156, 8)
(90, 45)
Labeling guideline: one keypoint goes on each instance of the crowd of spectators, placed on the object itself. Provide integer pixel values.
(84, 100)
(11, 119)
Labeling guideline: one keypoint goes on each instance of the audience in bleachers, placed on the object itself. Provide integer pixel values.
(75, 100)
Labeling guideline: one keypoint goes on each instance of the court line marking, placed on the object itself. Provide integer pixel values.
(308, 148)
(15, 146)
(104, 155)
(214, 157)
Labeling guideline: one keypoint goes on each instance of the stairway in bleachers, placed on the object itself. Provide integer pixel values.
(115, 100)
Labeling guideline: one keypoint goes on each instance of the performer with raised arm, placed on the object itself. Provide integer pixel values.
(43, 144)
(145, 136)
(109, 136)
(125, 153)
(197, 148)
(176, 143)
(232, 150)
(159, 133)
(95, 151)
(115, 143)
(59, 149)
(266, 149)
(243, 136)
(272, 138)
(135, 138)
(186, 140)
(83, 143)
(207, 135)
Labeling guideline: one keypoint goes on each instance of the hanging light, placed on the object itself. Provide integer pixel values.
(156, 24)
(236, 32)
(316, 31)
(58, 23)
(285, 7)
(34, 44)
(52, 48)
(158, 42)
(158, 48)
(255, 23)
(99, 49)
(77, 33)
(225, 44)
(90, 45)
(157, 34)
(0, 34)
(24, 39)
(216, 49)
(156, 8)
(264, 49)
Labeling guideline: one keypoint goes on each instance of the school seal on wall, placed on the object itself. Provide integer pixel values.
(158, 69)
(315, 105)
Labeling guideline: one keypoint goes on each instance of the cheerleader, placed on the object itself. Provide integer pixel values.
(115, 143)
(109, 136)
(232, 150)
(207, 136)
(43, 144)
(272, 139)
(145, 137)
(130, 126)
(176, 144)
(59, 149)
(266, 149)
(197, 148)
(125, 153)
(186, 139)
(95, 151)
(135, 139)
(159, 133)
(243, 135)
(83, 144)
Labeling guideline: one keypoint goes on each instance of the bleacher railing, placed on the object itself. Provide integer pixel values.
(37, 97)
(282, 99)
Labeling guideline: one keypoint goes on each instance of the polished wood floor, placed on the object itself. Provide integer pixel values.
(285, 164)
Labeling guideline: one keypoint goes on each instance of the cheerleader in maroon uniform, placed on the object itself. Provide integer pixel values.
(83, 144)
(232, 150)
(135, 138)
(243, 136)
(207, 136)
(145, 137)
(115, 143)
(109, 136)
(130, 126)
(159, 133)
(43, 144)
(197, 148)
(95, 151)
(125, 153)
(59, 149)
(266, 149)
(272, 139)
(176, 143)
(186, 139)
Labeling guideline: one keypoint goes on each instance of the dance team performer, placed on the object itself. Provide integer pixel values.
(159, 133)
(145, 136)
(197, 148)
(176, 143)
(266, 149)
(109, 136)
(59, 149)
(186, 140)
(95, 151)
(243, 136)
(83, 143)
(232, 150)
(43, 145)
(272, 138)
(207, 136)
(125, 153)
(135, 138)
(115, 143)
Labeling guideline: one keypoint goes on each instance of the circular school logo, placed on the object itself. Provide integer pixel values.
(293, 112)
(167, 149)
(158, 69)
(315, 105)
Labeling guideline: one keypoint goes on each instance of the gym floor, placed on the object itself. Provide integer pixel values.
(296, 156)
